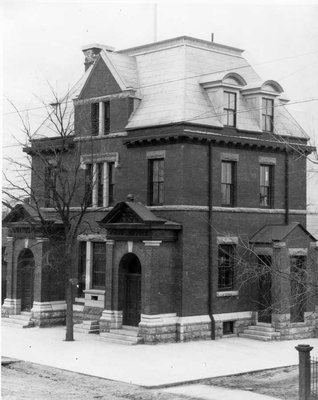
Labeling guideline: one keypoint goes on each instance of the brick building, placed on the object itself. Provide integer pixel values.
(214, 168)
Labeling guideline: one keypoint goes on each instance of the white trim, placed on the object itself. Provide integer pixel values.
(89, 264)
(298, 252)
(39, 306)
(125, 93)
(267, 160)
(114, 317)
(195, 319)
(158, 319)
(227, 239)
(100, 158)
(156, 154)
(14, 305)
(279, 245)
(108, 136)
(153, 243)
(230, 293)
(92, 237)
(198, 208)
(229, 157)
(233, 316)
(266, 251)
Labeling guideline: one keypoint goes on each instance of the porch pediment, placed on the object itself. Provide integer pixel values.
(21, 213)
(130, 220)
(292, 233)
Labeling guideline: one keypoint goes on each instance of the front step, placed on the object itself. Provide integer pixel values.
(22, 320)
(126, 335)
(87, 326)
(261, 331)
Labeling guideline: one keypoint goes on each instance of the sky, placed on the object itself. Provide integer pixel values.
(42, 43)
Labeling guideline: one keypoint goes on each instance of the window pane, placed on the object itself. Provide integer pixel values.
(89, 184)
(100, 184)
(156, 184)
(226, 267)
(94, 118)
(99, 265)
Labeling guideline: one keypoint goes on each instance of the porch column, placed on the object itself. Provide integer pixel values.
(280, 286)
(11, 305)
(150, 281)
(39, 250)
(109, 319)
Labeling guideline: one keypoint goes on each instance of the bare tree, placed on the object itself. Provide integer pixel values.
(51, 176)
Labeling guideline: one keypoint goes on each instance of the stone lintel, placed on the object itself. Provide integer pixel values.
(152, 243)
(279, 245)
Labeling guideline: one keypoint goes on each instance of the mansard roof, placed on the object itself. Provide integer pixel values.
(169, 79)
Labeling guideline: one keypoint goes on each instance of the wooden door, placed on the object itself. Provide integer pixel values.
(132, 299)
(27, 288)
(265, 298)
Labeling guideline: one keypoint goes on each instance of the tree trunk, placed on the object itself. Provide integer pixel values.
(69, 312)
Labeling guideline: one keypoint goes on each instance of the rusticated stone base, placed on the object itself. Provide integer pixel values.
(110, 319)
(296, 330)
(193, 328)
(78, 313)
(11, 307)
(241, 320)
(49, 313)
(160, 328)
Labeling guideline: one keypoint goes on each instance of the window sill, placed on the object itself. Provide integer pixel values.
(94, 291)
(230, 293)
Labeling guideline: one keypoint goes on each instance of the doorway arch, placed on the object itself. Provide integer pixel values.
(130, 271)
(26, 278)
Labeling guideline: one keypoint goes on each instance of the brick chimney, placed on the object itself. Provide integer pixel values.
(91, 52)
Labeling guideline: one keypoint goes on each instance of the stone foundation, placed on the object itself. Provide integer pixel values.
(110, 319)
(49, 313)
(241, 320)
(296, 330)
(160, 328)
(11, 307)
(78, 313)
(196, 327)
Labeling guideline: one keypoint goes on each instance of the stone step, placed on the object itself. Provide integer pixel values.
(256, 328)
(261, 328)
(119, 339)
(255, 337)
(260, 332)
(16, 322)
(20, 317)
(87, 326)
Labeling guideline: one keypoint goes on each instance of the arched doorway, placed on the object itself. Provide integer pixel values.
(131, 289)
(26, 278)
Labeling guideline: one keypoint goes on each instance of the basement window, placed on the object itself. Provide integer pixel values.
(228, 327)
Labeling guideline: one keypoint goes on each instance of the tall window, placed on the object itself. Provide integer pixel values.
(89, 185)
(156, 181)
(100, 184)
(230, 108)
(95, 118)
(267, 115)
(226, 253)
(99, 265)
(228, 183)
(49, 185)
(106, 118)
(81, 269)
(266, 185)
(111, 182)
(100, 118)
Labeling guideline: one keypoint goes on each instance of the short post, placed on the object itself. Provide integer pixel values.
(304, 370)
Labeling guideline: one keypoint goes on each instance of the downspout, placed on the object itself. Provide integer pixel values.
(210, 248)
(286, 187)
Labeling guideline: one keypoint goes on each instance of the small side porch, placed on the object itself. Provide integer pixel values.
(287, 283)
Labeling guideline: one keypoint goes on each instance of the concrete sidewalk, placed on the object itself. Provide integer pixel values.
(147, 365)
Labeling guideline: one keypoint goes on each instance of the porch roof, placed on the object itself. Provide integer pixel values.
(277, 233)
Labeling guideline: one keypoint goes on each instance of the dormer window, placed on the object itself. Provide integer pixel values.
(230, 108)
(100, 118)
(267, 115)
